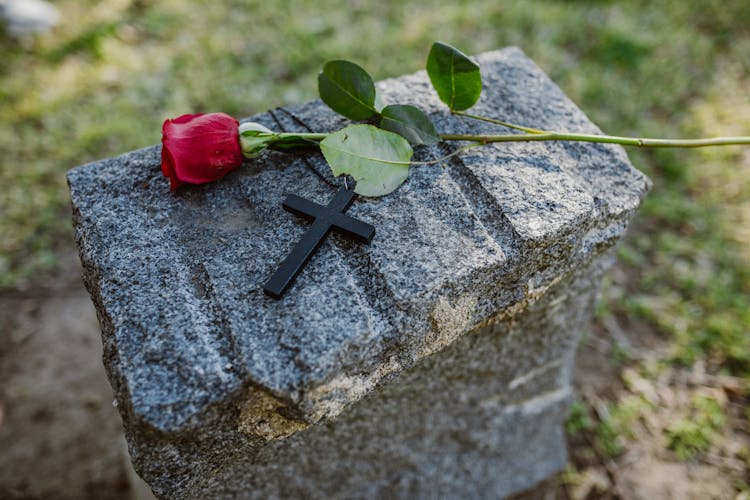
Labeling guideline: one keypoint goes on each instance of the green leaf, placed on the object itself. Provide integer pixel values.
(347, 89)
(377, 159)
(410, 123)
(456, 78)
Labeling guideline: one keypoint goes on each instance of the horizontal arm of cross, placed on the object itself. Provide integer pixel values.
(352, 227)
(301, 207)
(331, 215)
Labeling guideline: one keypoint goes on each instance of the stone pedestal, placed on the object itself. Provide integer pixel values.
(433, 363)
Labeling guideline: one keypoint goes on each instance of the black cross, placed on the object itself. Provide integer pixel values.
(325, 219)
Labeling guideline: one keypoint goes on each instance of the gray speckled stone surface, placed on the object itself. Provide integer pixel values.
(434, 362)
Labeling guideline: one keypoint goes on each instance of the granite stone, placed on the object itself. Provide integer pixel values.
(434, 362)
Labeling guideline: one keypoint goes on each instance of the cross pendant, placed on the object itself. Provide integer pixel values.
(325, 219)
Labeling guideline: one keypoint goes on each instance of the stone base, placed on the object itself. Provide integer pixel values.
(483, 418)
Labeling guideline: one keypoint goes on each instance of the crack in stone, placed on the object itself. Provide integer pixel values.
(486, 209)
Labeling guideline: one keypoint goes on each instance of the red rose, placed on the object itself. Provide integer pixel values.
(199, 148)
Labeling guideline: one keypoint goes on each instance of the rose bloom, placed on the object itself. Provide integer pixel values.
(199, 148)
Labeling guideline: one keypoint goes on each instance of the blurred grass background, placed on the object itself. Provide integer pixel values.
(102, 82)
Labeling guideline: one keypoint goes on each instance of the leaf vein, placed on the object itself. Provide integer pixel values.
(352, 96)
(357, 155)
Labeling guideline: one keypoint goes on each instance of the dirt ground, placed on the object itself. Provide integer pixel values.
(61, 437)
(646, 470)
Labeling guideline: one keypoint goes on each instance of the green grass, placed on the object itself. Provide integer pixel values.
(606, 434)
(103, 82)
(695, 432)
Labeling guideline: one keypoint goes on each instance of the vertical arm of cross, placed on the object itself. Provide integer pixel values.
(296, 260)
(342, 201)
